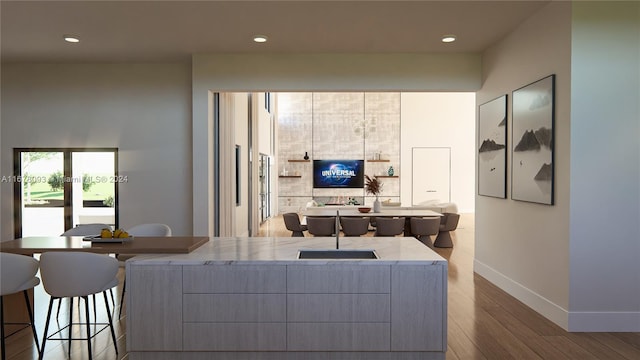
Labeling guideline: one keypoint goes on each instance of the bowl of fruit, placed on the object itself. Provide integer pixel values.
(115, 234)
(108, 235)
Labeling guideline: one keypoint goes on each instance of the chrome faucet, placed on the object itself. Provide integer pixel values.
(337, 229)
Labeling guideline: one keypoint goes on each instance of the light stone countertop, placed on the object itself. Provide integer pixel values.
(284, 250)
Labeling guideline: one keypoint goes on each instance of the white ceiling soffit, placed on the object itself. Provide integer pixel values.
(32, 31)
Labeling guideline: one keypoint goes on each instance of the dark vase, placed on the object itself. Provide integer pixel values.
(306, 156)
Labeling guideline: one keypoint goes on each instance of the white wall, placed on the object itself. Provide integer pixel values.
(339, 72)
(143, 109)
(440, 120)
(576, 262)
(524, 247)
(266, 145)
(241, 122)
(265, 123)
(605, 167)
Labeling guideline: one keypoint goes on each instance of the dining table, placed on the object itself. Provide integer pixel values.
(135, 245)
(384, 212)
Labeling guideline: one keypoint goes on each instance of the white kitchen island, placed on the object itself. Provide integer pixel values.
(252, 298)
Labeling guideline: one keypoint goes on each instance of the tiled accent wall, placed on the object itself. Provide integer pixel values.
(336, 126)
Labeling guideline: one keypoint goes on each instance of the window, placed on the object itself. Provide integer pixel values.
(56, 189)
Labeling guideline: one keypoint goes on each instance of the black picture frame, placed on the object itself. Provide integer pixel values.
(492, 148)
(238, 176)
(532, 145)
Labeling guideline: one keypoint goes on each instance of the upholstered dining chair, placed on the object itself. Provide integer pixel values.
(321, 226)
(86, 230)
(292, 223)
(386, 226)
(17, 274)
(150, 229)
(423, 228)
(354, 226)
(77, 274)
(448, 223)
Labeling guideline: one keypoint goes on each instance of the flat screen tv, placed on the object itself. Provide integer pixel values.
(338, 173)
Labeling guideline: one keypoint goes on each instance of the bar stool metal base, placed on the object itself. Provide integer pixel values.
(30, 324)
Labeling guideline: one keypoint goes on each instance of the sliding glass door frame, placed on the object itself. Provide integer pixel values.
(67, 185)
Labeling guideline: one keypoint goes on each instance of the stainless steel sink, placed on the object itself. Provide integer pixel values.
(337, 254)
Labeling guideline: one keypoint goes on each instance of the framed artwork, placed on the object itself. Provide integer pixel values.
(492, 148)
(238, 178)
(532, 167)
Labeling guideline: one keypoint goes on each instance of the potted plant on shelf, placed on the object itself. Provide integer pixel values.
(373, 186)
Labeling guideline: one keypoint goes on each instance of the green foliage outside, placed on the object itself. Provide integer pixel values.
(109, 201)
(87, 183)
(52, 189)
(56, 181)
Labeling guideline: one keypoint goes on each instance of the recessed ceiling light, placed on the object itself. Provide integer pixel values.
(448, 38)
(260, 38)
(71, 39)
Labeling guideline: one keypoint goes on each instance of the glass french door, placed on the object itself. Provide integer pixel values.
(58, 189)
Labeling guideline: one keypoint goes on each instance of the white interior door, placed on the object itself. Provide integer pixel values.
(431, 179)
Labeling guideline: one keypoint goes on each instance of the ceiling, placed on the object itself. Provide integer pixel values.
(160, 31)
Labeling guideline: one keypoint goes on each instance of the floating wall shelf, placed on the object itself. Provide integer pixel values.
(290, 160)
(386, 176)
(290, 176)
(377, 160)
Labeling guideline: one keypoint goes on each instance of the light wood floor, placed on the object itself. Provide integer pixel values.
(484, 321)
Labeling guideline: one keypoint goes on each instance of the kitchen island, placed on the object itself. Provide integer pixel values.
(252, 298)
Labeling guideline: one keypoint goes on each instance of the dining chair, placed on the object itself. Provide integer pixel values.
(149, 229)
(387, 226)
(448, 223)
(354, 226)
(292, 223)
(86, 230)
(321, 226)
(423, 228)
(68, 274)
(17, 274)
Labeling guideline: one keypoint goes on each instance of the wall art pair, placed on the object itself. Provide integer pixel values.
(532, 145)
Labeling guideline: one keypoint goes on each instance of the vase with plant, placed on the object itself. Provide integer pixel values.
(373, 186)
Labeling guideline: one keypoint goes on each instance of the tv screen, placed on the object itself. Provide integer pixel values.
(338, 173)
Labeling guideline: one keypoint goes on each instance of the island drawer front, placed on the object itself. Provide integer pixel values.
(235, 308)
(419, 308)
(338, 336)
(235, 337)
(238, 279)
(338, 279)
(153, 290)
(338, 308)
